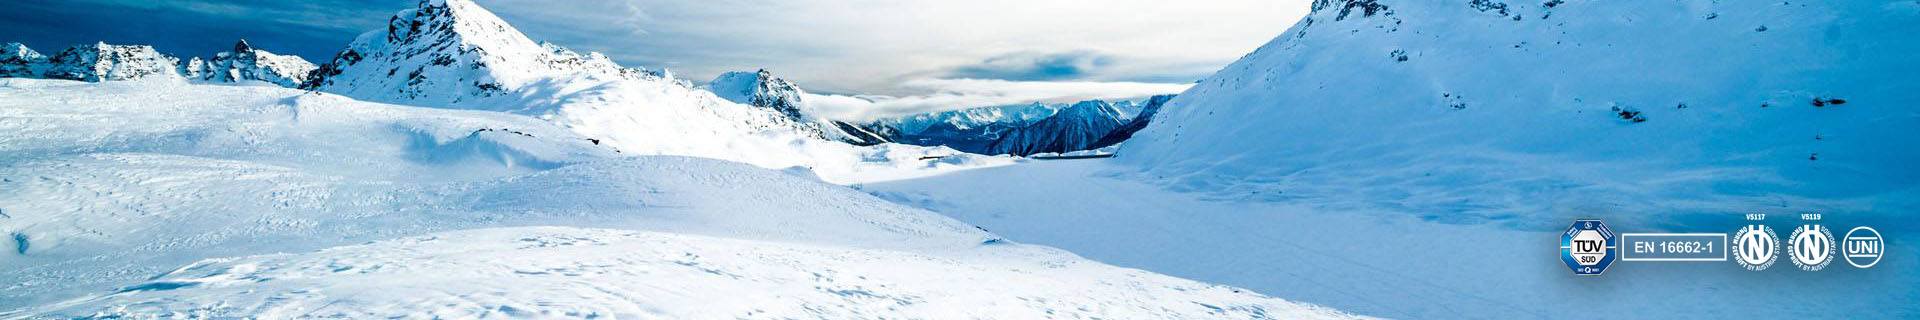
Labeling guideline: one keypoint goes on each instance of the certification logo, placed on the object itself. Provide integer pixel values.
(1812, 247)
(1755, 247)
(1864, 246)
(1585, 247)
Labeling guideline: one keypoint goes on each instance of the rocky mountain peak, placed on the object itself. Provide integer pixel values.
(107, 62)
(16, 60)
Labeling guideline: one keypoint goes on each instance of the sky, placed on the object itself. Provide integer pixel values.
(896, 55)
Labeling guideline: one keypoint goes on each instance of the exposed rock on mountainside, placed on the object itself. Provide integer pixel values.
(106, 62)
(248, 63)
(1076, 128)
(762, 89)
(452, 52)
(1152, 107)
(18, 61)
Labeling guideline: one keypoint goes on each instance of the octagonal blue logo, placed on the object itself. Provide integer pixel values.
(1588, 247)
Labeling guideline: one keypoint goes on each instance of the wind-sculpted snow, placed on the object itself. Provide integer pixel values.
(1475, 112)
(105, 187)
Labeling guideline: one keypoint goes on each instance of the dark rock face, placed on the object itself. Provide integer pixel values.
(18, 61)
(1138, 123)
(1079, 127)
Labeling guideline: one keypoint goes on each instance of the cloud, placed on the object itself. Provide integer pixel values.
(1031, 66)
(953, 94)
(872, 46)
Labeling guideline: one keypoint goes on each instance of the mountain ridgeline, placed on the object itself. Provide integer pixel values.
(456, 54)
(1024, 130)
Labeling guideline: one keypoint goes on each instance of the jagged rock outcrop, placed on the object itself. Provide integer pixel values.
(453, 52)
(106, 62)
(762, 89)
(246, 63)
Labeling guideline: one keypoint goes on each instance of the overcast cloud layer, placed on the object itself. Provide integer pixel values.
(907, 51)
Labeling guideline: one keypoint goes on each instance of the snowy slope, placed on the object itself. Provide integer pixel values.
(106, 62)
(248, 63)
(1476, 112)
(1417, 159)
(1075, 128)
(572, 273)
(1397, 263)
(106, 187)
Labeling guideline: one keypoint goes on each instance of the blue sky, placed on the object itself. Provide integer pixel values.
(898, 48)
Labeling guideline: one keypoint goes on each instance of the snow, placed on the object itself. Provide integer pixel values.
(1490, 117)
(107, 62)
(1072, 129)
(456, 54)
(246, 63)
(1418, 159)
(574, 272)
(1391, 263)
(156, 198)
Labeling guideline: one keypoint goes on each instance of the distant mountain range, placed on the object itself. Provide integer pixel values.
(456, 54)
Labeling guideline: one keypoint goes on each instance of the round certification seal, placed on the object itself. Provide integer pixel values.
(1755, 247)
(1812, 247)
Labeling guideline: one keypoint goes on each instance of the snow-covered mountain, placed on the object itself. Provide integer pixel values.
(971, 118)
(1075, 128)
(456, 54)
(452, 52)
(179, 199)
(106, 62)
(762, 89)
(1563, 107)
(248, 63)
(978, 130)
(1140, 121)
(969, 130)
(18, 61)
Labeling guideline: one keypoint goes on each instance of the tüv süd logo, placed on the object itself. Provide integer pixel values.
(1585, 247)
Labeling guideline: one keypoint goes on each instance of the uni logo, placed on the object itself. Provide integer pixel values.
(1864, 247)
